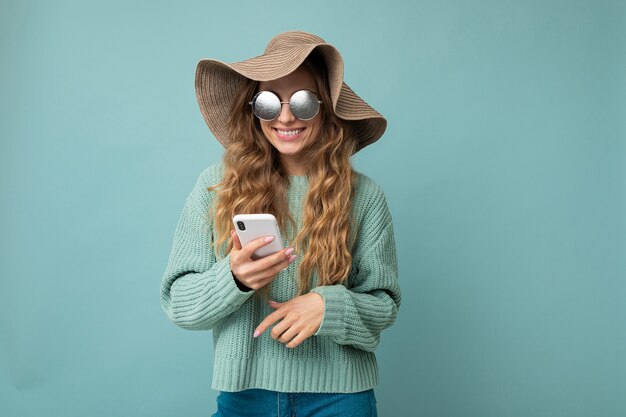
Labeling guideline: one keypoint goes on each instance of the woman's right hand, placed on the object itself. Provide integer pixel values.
(257, 273)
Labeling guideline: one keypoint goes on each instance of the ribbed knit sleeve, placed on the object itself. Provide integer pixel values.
(197, 291)
(357, 315)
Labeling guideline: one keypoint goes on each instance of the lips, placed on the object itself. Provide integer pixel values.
(289, 134)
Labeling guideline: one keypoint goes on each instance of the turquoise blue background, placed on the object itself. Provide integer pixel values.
(503, 164)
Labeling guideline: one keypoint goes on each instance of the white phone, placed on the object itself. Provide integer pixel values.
(253, 226)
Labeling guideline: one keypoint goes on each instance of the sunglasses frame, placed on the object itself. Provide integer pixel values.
(284, 102)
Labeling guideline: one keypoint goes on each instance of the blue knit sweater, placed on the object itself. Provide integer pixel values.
(198, 292)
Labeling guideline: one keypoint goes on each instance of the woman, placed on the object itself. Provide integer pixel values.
(294, 332)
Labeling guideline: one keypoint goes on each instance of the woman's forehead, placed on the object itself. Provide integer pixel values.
(300, 79)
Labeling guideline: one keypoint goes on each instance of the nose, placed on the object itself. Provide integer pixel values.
(286, 116)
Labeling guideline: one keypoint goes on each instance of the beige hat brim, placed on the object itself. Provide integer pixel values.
(217, 83)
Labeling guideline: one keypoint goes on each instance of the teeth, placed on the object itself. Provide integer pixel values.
(289, 132)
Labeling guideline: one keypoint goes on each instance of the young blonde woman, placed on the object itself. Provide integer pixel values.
(294, 332)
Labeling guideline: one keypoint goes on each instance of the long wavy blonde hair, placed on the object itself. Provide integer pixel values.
(324, 243)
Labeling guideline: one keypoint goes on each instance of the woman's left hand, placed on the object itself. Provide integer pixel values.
(299, 318)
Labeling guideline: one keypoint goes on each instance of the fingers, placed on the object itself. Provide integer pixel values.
(299, 318)
(283, 329)
(255, 275)
(290, 333)
(285, 333)
(301, 337)
(273, 263)
(268, 321)
(257, 243)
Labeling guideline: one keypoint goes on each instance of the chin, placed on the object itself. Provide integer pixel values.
(288, 150)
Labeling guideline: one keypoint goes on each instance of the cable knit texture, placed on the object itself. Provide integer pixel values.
(198, 292)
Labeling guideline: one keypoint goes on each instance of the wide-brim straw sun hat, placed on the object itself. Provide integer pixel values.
(217, 83)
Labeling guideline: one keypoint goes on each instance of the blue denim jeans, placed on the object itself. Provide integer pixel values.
(264, 403)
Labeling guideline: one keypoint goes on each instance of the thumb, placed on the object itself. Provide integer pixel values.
(236, 241)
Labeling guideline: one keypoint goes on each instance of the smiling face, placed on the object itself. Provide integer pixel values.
(287, 133)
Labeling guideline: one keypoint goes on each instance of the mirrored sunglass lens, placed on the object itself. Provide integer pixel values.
(266, 105)
(304, 105)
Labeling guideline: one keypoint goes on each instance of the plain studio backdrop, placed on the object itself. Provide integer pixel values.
(504, 166)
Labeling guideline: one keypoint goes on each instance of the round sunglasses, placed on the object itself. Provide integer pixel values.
(303, 104)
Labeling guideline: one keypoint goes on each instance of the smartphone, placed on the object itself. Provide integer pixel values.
(253, 226)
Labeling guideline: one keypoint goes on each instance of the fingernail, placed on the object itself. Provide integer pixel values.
(257, 333)
(269, 238)
(293, 258)
(289, 251)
